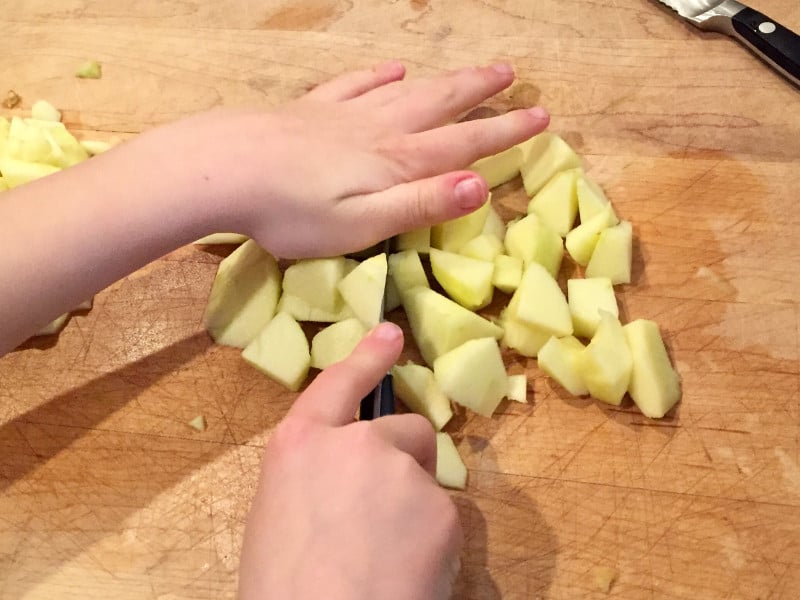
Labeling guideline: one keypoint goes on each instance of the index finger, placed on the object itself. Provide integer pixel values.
(333, 397)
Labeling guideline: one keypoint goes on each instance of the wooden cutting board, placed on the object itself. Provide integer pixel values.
(105, 492)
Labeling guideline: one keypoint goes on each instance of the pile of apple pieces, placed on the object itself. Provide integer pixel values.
(255, 307)
(32, 148)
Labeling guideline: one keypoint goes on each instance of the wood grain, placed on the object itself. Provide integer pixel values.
(106, 492)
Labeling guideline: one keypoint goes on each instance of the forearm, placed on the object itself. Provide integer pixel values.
(74, 233)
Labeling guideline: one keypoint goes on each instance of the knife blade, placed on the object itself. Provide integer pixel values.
(775, 44)
(380, 401)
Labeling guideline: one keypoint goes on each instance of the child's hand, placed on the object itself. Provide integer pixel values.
(355, 160)
(350, 509)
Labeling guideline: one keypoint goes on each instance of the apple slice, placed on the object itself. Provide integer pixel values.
(484, 247)
(466, 280)
(544, 158)
(452, 235)
(559, 358)
(450, 469)
(507, 273)
(582, 240)
(280, 350)
(416, 386)
(392, 298)
(3, 185)
(316, 281)
(606, 363)
(95, 147)
(525, 339)
(222, 238)
(244, 295)
(591, 198)
(654, 384)
(517, 388)
(439, 325)
(494, 225)
(45, 111)
(541, 303)
(419, 240)
(532, 241)
(499, 168)
(556, 204)
(53, 326)
(473, 375)
(613, 254)
(18, 172)
(335, 343)
(406, 269)
(363, 289)
(300, 310)
(586, 298)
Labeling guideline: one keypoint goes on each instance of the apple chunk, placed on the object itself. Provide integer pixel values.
(335, 343)
(450, 469)
(587, 297)
(221, 238)
(541, 303)
(613, 254)
(517, 388)
(244, 295)
(416, 386)
(407, 272)
(605, 365)
(301, 310)
(280, 350)
(591, 198)
(556, 204)
(452, 235)
(530, 240)
(582, 240)
(654, 384)
(499, 168)
(473, 375)
(364, 287)
(418, 239)
(466, 280)
(484, 247)
(524, 338)
(559, 358)
(316, 281)
(544, 156)
(507, 273)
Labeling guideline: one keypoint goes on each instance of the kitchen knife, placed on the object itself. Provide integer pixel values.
(773, 43)
(380, 401)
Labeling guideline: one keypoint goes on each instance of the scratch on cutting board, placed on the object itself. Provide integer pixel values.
(791, 472)
(733, 552)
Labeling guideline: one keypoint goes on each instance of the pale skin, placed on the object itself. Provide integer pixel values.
(344, 509)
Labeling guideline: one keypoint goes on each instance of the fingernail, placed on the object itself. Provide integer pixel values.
(470, 193)
(538, 112)
(503, 68)
(387, 332)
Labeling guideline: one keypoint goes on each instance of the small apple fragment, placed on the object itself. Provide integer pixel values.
(586, 298)
(95, 147)
(53, 326)
(606, 364)
(450, 469)
(604, 578)
(198, 423)
(335, 343)
(613, 254)
(540, 302)
(392, 298)
(517, 388)
(543, 159)
(417, 388)
(45, 111)
(300, 310)
(499, 168)
(556, 204)
(532, 241)
(559, 358)
(654, 384)
(363, 289)
(221, 238)
(494, 225)
(18, 172)
(315, 281)
(507, 273)
(454, 234)
(244, 295)
(582, 240)
(406, 269)
(280, 350)
(526, 339)
(484, 247)
(473, 375)
(466, 280)
(418, 239)
(439, 325)
(90, 69)
(591, 198)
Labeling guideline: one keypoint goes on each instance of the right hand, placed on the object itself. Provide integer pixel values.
(351, 510)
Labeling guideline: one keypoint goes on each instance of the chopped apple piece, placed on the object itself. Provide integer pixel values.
(582, 240)
(335, 343)
(54, 326)
(507, 273)
(244, 295)
(559, 358)
(300, 310)
(17, 172)
(544, 158)
(416, 386)
(517, 388)
(605, 365)
(407, 271)
(222, 238)
(85, 305)
(363, 289)
(419, 240)
(95, 147)
(613, 254)
(3, 185)
(91, 69)
(494, 225)
(591, 198)
(466, 280)
(541, 303)
(484, 247)
(450, 469)
(556, 204)
(452, 235)
(440, 325)
(280, 350)
(392, 299)
(532, 241)
(654, 384)
(473, 375)
(499, 168)
(198, 423)
(587, 297)
(45, 111)
(316, 281)
(522, 337)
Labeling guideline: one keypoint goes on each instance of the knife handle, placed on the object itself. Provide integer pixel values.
(773, 42)
(379, 402)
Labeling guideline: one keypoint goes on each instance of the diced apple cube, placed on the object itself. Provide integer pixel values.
(591, 198)
(556, 204)
(406, 269)
(507, 273)
(419, 240)
(280, 350)
(605, 365)
(392, 298)
(473, 375)
(541, 303)
(586, 298)
(18, 172)
(316, 281)
(45, 111)
(91, 69)
(300, 310)
(484, 247)
(452, 235)
(494, 225)
(559, 358)
(335, 343)
(517, 388)
(654, 384)
(532, 241)
(499, 168)
(416, 386)
(466, 280)
(544, 158)
(244, 295)
(613, 254)
(450, 469)
(524, 338)
(582, 240)
(95, 147)
(363, 289)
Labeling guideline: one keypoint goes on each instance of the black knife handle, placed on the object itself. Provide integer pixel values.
(379, 402)
(771, 40)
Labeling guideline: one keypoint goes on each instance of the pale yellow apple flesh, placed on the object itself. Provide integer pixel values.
(417, 388)
(335, 343)
(556, 204)
(530, 240)
(522, 337)
(654, 384)
(545, 157)
(221, 238)
(407, 272)
(316, 281)
(606, 363)
(507, 273)
(541, 303)
(586, 298)
(453, 235)
(53, 326)
(45, 111)
(300, 310)
(499, 168)
(450, 469)
(559, 358)
(613, 254)
(280, 350)
(466, 280)
(582, 240)
(494, 225)
(484, 247)
(419, 240)
(517, 388)
(363, 289)
(591, 198)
